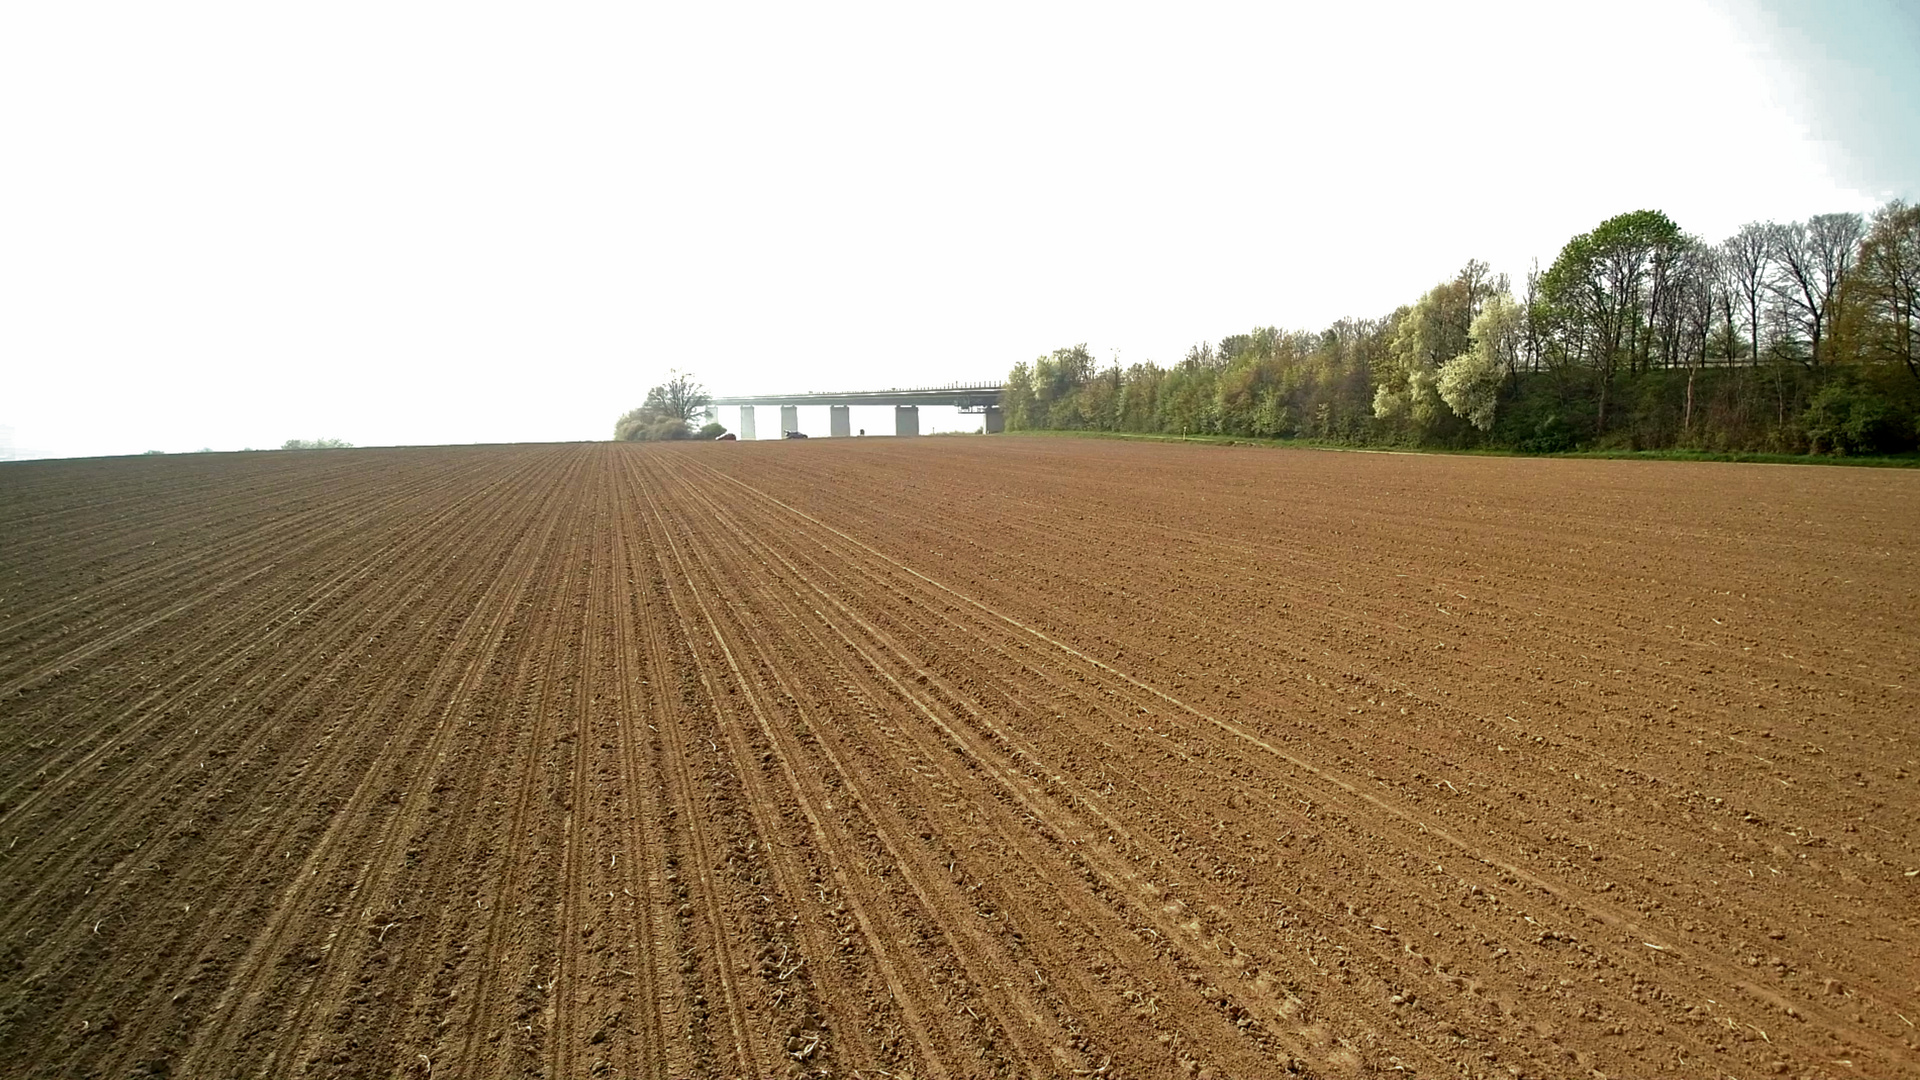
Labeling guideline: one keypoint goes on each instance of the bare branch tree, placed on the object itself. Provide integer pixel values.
(669, 412)
(681, 397)
(1745, 260)
(1700, 287)
(1809, 262)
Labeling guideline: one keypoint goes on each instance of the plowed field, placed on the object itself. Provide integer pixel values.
(956, 758)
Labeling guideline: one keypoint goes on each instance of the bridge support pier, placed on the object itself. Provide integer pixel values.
(746, 422)
(995, 421)
(839, 421)
(906, 419)
(789, 419)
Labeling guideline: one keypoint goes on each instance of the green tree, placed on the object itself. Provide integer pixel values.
(1098, 400)
(1019, 401)
(1877, 316)
(1604, 291)
(1436, 329)
(1470, 383)
(1139, 397)
(1187, 401)
(1057, 379)
(670, 409)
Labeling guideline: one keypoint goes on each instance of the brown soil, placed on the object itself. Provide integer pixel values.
(956, 758)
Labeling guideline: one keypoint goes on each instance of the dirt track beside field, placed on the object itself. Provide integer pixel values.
(954, 758)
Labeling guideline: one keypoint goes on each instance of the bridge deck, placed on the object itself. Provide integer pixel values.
(969, 396)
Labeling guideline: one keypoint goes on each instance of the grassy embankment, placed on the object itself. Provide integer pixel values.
(1884, 461)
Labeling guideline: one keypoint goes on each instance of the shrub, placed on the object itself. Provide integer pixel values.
(647, 425)
(1550, 435)
(1848, 418)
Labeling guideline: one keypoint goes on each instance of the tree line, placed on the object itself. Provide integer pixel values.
(1794, 338)
(668, 413)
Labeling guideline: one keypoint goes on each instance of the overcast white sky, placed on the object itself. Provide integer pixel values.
(228, 225)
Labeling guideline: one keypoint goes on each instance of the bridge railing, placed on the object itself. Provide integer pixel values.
(880, 390)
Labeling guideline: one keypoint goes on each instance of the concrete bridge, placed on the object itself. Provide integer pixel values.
(982, 398)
